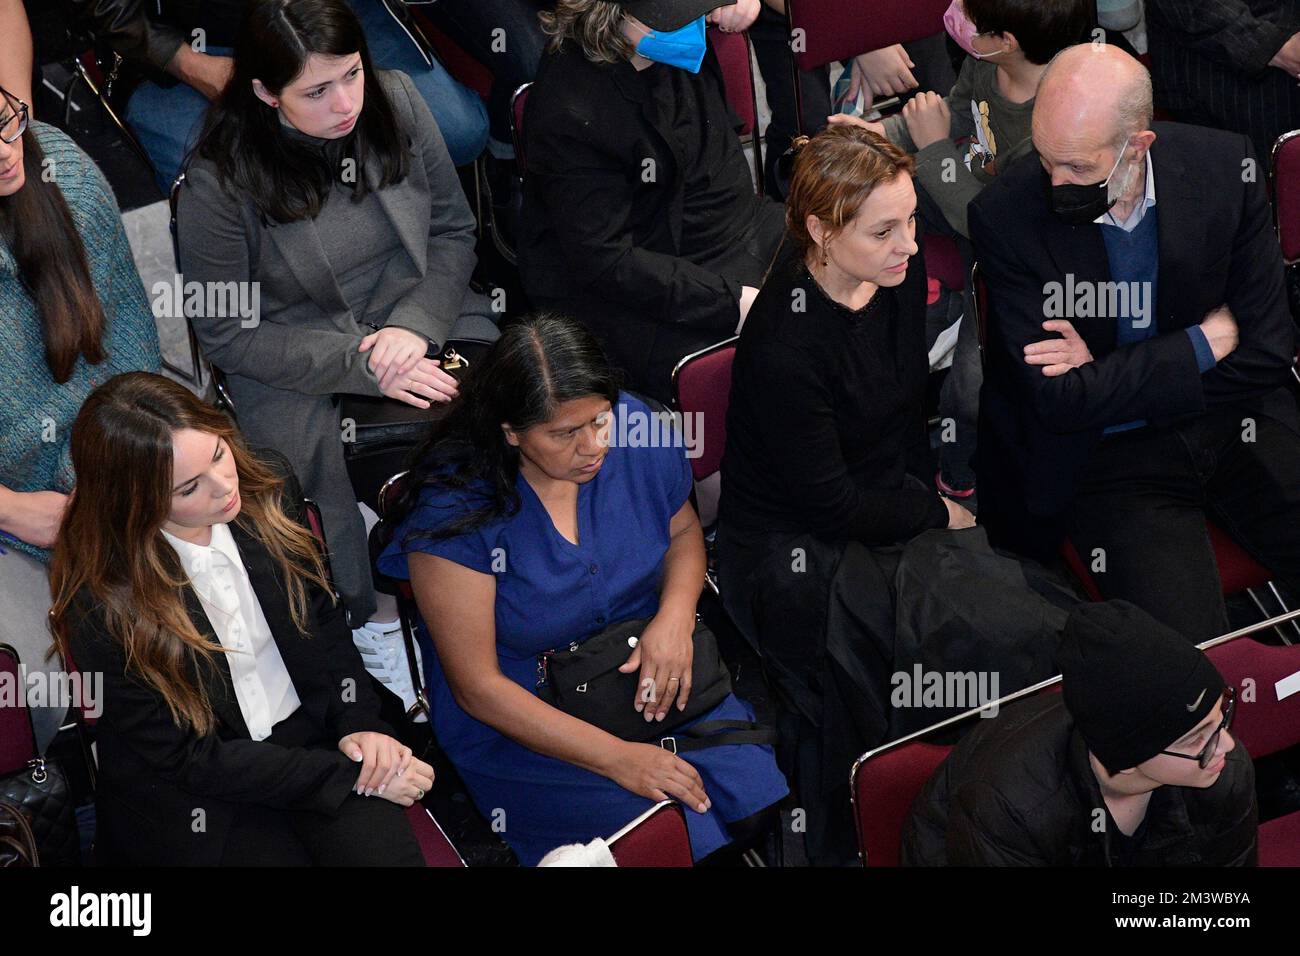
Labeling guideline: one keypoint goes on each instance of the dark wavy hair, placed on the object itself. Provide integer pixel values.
(38, 227)
(288, 179)
(537, 364)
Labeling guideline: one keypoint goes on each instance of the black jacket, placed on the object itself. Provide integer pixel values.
(148, 34)
(605, 192)
(1019, 791)
(154, 776)
(826, 421)
(1210, 64)
(1217, 247)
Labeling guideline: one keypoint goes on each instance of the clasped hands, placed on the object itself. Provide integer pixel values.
(397, 359)
(389, 769)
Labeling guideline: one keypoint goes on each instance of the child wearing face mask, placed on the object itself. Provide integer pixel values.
(983, 124)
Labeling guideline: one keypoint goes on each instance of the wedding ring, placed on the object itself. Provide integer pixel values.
(419, 794)
(671, 679)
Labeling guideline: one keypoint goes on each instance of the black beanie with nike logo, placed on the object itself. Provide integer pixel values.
(1132, 685)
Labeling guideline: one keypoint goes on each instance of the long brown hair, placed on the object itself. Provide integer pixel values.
(110, 544)
(834, 173)
(36, 223)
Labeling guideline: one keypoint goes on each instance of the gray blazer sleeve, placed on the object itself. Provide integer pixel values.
(432, 306)
(212, 234)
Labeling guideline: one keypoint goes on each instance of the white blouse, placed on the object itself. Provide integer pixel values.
(263, 688)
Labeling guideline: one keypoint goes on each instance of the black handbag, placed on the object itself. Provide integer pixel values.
(584, 682)
(40, 792)
(380, 433)
(17, 842)
(380, 424)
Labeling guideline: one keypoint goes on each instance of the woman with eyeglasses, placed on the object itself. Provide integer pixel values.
(73, 314)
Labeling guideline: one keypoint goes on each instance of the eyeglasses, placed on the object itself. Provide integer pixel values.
(16, 124)
(1207, 752)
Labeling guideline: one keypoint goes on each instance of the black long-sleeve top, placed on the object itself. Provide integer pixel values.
(826, 424)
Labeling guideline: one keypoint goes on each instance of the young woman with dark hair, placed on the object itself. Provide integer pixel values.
(322, 190)
(72, 314)
(183, 574)
(527, 528)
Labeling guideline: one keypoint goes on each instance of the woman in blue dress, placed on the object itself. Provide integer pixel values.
(524, 529)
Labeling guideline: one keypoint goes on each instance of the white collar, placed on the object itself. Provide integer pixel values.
(198, 556)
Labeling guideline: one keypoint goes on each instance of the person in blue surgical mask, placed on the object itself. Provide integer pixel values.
(640, 215)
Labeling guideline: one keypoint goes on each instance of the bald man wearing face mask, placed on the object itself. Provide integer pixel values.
(1139, 347)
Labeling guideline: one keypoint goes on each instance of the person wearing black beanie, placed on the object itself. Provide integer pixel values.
(1132, 765)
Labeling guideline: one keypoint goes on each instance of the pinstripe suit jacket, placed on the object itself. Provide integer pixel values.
(1210, 64)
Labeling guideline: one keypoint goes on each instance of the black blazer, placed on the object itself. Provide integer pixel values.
(1217, 247)
(154, 776)
(1210, 64)
(591, 224)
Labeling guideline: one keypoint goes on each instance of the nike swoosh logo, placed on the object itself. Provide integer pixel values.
(1193, 705)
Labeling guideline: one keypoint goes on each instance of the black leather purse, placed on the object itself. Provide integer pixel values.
(40, 792)
(17, 842)
(584, 682)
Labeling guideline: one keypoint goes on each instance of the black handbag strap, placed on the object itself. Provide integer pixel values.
(718, 733)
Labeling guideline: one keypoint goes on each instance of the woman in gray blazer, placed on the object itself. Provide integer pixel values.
(332, 247)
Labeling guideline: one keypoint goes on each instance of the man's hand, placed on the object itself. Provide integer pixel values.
(1220, 330)
(1287, 59)
(1058, 356)
(886, 72)
(207, 74)
(928, 120)
(845, 119)
(736, 17)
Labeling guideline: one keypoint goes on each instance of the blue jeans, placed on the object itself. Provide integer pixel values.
(167, 120)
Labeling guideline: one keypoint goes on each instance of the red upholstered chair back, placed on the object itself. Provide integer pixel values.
(1286, 193)
(840, 29)
(437, 849)
(656, 838)
(1237, 569)
(517, 103)
(943, 262)
(702, 385)
(885, 782)
(1263, 723)
(17, 739)
(732, 51)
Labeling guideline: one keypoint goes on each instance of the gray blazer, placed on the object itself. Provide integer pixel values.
(284, 370)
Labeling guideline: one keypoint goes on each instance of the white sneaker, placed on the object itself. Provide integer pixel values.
(383, 651)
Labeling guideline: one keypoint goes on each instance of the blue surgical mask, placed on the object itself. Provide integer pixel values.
(682, 48)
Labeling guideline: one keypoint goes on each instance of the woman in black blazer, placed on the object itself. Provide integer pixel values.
(238, 725)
